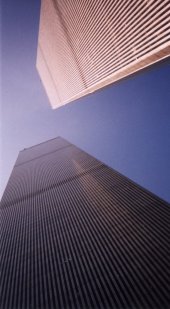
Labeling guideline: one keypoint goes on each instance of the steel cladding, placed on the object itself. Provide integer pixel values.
(77, 234)
(85, 45)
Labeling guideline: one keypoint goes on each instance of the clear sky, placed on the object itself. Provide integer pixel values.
(126, 125)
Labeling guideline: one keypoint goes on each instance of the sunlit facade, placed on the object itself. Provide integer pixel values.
(76, 234)
(86, 45)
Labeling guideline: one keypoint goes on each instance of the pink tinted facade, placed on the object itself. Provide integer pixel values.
(86, 45)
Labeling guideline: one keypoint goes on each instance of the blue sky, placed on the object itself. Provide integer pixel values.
(126, 125)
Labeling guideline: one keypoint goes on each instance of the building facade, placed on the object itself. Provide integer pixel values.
(86, 45)
(77, 234)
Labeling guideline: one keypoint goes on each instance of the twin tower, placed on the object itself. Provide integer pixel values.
(76, 234)
(85, 45)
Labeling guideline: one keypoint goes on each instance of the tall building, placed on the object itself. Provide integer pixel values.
(77, 234)
(85, 45)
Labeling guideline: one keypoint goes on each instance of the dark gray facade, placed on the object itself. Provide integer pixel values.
(77, 234)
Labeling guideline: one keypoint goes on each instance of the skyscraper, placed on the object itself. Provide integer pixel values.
(77, 234)
(85, 45)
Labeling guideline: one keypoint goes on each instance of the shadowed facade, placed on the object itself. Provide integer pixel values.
(77, 234)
